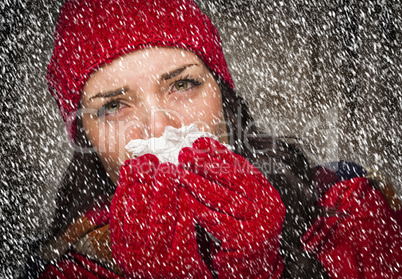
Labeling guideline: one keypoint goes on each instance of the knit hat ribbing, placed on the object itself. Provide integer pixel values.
(91, 33)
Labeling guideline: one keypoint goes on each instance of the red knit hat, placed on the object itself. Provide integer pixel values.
(91, 33)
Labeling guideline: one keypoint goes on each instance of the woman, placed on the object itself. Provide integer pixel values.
(127, 69)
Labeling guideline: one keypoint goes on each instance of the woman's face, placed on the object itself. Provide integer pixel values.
(139, 94)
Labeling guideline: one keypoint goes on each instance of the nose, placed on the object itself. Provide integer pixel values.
(155, 111)
(159, 118)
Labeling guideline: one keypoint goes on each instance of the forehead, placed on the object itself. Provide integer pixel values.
(150, 62)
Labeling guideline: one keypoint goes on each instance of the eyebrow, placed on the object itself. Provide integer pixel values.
(112, 93)
(176, 72)
(124, 89)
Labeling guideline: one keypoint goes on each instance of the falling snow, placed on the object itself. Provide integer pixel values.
(328, 73)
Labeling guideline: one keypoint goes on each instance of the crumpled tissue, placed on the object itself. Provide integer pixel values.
(168, 146)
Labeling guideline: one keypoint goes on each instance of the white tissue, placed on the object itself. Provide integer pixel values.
(168, 146)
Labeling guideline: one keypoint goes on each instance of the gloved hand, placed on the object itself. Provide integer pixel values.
(234, 202)
(357, 235)
(152, 228)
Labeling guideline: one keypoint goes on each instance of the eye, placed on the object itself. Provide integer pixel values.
(110, 108)
(185, 83)
(181, 85)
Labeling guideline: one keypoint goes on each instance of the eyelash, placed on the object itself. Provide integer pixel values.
(188, 78)
(102, 109)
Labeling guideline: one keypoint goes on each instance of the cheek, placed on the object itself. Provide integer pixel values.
(109, 138)
(216, 116)
(205, 111)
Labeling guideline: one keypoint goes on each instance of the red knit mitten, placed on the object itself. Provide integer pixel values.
(152, 228)
(234, 202)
